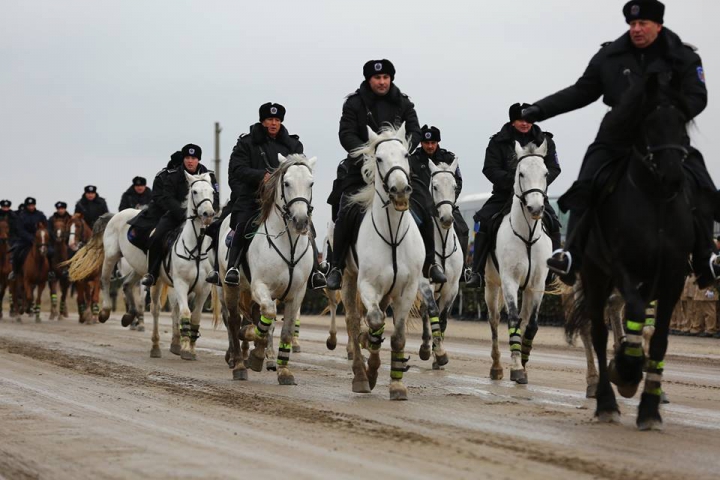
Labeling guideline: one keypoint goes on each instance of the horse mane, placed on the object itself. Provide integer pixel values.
(623, 123)
(267, 190)
(366, 195)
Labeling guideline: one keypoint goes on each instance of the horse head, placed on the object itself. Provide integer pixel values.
(41, 238)
(291, 185)
(531, 178)
(4, 230)
(60, 229)
(201, 195)
(76, 231)
(390, 152)
(443, 188)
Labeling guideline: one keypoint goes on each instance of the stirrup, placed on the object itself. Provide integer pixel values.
(213, 278)
(317, 280)
(564, 254)
(232, 277)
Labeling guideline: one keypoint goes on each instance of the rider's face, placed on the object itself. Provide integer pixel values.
(191, 164)
(644, 32)
(380, 84)
(272, 124)
(430, 147)
(522, 126)
(30, 208)
(140, 189)
(61, 211)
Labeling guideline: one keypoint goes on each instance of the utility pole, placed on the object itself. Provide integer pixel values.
(218, 129)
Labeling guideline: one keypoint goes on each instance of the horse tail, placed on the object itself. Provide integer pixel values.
(216, 308)
(89, 259)
(576, 317)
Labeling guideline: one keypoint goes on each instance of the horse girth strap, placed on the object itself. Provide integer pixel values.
(292, 262)
(394, 242)
(528, 247)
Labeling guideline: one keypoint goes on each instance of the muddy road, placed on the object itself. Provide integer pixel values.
(87, 401)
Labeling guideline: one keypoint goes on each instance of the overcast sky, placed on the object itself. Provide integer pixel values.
(96, 92)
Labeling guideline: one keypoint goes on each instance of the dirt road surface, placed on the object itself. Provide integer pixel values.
(80, 401)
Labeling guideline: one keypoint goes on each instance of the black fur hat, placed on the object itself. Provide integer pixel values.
(375, 67)
(652, 10)
(272, 110)
(430, 134)
(515, 112)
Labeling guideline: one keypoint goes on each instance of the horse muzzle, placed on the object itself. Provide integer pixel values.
(301, 226)
(446, 223)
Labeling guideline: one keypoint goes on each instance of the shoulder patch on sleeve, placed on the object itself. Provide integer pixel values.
(295, 136)
(690, 46)
(548, 134)
(605, 44)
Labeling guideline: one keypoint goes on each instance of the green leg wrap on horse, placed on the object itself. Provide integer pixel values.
(398, 365)
(284, 354)
(263, 327)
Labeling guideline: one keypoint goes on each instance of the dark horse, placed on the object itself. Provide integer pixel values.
(640, 241)
(5, 264)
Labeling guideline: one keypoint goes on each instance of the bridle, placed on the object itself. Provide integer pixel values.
(435, 214)
(196, 206)
(529, 242)
(285, 208)
(386, 177)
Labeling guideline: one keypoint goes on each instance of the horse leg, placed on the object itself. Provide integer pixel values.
(64, 287)
(40, 289)
(376, 328)
(592, 374)
(200, 299)
(331, 341)
(517, 372)
(360, 382)
(649, 327)
(270, 363)
(107, 269)
(649, 409)
(626, 370)
(492, 300)
(52, 285)
(398, 360)
(155, 307)
(181, 311)
(129, 289)
(290, 321)
(296, 348)
(426, 346)
(268, 312)
(614, 311)
(531, 305)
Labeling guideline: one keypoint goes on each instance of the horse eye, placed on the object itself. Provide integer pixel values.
(435, 187)
(407, 155)
(194, 192)
(546, 174)
(522, 175)
(287, 184)
(312, 184)
(379, 160)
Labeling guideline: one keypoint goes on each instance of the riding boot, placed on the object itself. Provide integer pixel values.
(17, 261)
(232, 277)
(317, 276)
(480, 254)
(341, 246)
(213, 232)
(566, 263)
(430, 270)
(154, 261)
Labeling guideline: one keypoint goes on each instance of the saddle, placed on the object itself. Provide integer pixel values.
(139, 238)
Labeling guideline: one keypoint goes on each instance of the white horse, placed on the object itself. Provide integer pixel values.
(521, 249)
(448, 253)
(279, 259)
(184, 268)
(389, 262)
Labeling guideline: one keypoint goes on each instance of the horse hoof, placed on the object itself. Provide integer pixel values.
(53, 316)
(442, 359)
(241, 374)
(296, 349)
(127, 319)
(496, 374)
(133, 326)
(270, 366)
(649, 425)
(437, 366)
(591, 391)
(361, 386)
(425, 352)
(372, 378)
(664, 398)
(37, 320)
(141, 328)
(518, 376)
(186, 355)
(256, 363)
(398, 392)
(156, 353)
(331, 343)
(175, 349)
(609, 417)
(286, 379)
(350, 355)
(627, 390)
(104, 315)
(246, 362)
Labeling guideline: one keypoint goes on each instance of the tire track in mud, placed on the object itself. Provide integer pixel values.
(463, 441)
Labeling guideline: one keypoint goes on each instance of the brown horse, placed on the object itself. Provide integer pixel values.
(35, 270)
(58, 272)
(88, 289)
(5, 264)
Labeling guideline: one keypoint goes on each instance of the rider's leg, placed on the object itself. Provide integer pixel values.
(483, 217)
(345, 225)
(462, 231)
(243, 226)
(18, 258)
(155, 250)
(213, 231)
(566, 262)
(431, 269)
(704, 266)
(317, 275)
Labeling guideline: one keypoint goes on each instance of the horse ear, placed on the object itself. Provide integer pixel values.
(188, 177)
(432, 167)
(402, 133)
(542, 149)
(519, 152)
(372, 136)
(282, 159)
(454, 164)
(311, 163)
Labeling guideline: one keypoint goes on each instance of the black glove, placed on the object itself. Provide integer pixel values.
(531, 114)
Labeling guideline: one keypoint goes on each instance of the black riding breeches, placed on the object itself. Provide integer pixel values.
(346, 226)
(425, 224)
